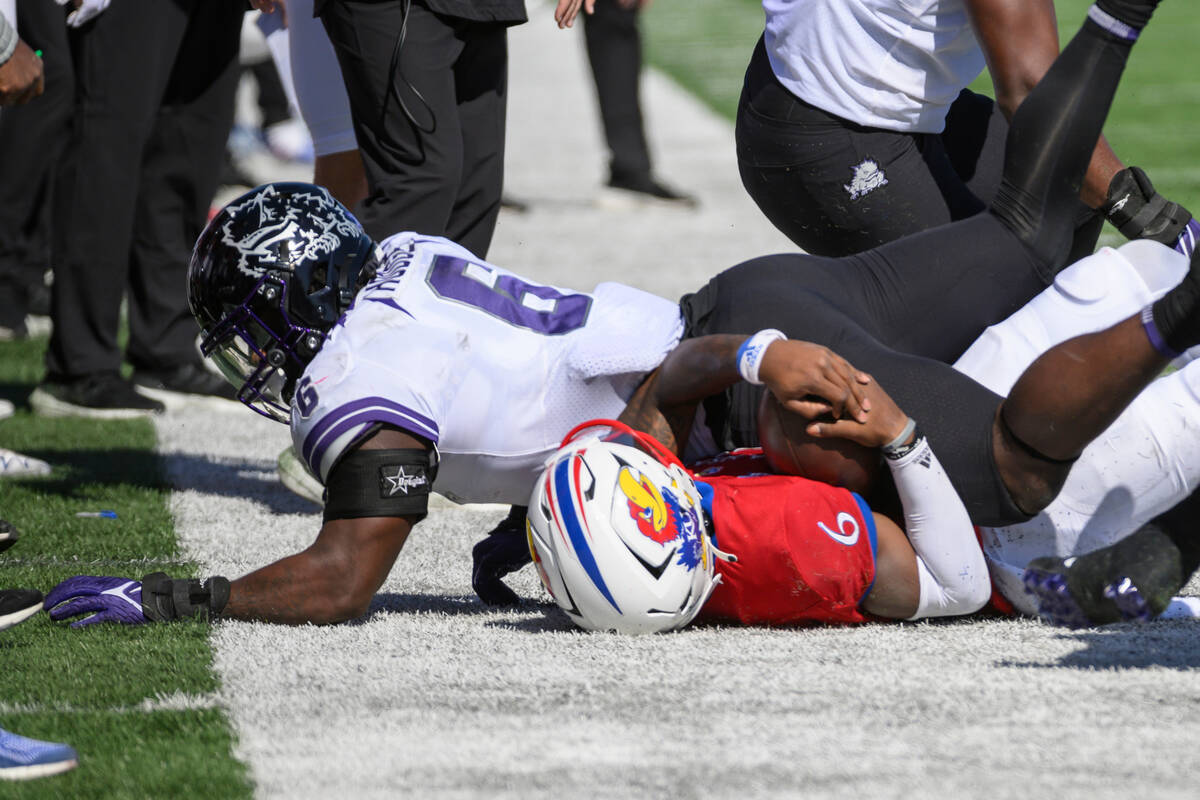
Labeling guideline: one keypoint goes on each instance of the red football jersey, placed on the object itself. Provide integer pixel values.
(806, 550)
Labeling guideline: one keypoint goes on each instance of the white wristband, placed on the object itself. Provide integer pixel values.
(750, 354)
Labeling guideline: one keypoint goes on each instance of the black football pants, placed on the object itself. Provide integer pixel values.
(798, 163)
(428, 114)
(155, 83)
(904, 310)
(32, 138)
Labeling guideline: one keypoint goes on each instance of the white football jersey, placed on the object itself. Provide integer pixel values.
(1144, 463)
(491, 368)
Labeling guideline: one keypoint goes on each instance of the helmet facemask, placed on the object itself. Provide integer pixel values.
(260, 348)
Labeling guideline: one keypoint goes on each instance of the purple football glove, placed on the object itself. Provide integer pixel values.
(104, 599)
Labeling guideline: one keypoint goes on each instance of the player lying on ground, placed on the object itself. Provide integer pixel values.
(800, 569)
(441, 350)
(626, 538)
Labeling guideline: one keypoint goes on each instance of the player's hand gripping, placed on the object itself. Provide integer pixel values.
(505, 550)
(885, 422)
(812, 380)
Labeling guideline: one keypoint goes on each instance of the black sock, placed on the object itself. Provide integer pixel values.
(1134, 13)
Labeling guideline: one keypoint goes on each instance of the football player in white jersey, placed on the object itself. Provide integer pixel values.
(273, 277)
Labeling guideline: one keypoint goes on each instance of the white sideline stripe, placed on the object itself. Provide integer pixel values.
(176, 701)
(80, 564)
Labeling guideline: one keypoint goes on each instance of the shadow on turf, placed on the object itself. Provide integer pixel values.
(256, 480)
(1173, 645)
(533, 615)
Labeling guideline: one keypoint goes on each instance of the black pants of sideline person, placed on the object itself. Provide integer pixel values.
(431, 123)
(155, 84)
(614, 49)
(835, 187)
(32, 138)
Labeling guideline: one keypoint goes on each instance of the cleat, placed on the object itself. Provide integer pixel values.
(184, 386)
(15, 465)
(18, 605)
(22, 758)
(1129, 601)
(102, 395)
(1046, 580)
(8, 535)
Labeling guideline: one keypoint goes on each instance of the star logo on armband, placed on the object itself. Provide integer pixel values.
(402, 482)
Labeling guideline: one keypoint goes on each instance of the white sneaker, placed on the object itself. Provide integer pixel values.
(15, 465)
(6, 409)
(294, 475)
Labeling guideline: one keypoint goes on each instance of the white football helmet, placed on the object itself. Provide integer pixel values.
(618, 534)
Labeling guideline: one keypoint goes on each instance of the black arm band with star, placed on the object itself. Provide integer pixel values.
(380, 483)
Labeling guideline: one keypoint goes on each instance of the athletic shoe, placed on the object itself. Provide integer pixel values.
(101, 395)
(184, 385)
(22, 758)
(18, 605)
(625, 192)
(7, 409)
(294, 475)
(1046, 580)
(15, 465)
(8, 535)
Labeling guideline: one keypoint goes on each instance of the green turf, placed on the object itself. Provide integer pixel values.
(705, 44)
(110, 692)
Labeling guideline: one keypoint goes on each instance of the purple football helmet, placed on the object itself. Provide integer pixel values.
(270, 275)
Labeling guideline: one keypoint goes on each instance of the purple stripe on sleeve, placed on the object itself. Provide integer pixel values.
(369, 409)
(1154, 335)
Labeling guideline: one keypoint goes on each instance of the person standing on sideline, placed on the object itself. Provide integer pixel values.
(155, 83)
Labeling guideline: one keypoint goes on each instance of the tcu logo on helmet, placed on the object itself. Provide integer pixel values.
(661, 517)
(311, 223)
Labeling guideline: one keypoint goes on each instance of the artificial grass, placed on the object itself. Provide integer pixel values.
(111, 692)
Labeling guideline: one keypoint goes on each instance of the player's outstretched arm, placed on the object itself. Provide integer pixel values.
(333, 580)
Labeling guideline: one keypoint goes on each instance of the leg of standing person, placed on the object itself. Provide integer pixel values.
(178, 180)
(614, 50)
(32, 137)
(122, 61)
(427, 93)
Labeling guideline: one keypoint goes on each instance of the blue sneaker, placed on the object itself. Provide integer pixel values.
(22, 758)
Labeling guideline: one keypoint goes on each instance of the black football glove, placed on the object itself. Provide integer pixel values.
(1139, 212)
(505, 550)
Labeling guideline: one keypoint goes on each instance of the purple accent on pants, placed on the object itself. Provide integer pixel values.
(1112, 24)
(1154, 335)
